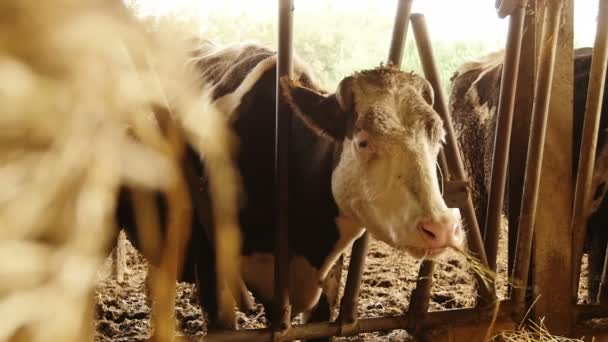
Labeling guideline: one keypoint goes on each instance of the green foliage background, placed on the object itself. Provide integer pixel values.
(336, 41)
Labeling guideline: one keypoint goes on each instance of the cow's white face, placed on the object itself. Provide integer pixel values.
(386, 176)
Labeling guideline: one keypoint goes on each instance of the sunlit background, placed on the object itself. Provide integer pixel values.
(338, 36)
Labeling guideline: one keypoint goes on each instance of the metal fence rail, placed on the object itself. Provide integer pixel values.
(502, 140)
(281, 308)
(435, 319)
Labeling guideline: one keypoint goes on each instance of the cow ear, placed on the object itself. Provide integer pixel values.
(428, 94)
(329, 116)
(424, 87)
(426, 90)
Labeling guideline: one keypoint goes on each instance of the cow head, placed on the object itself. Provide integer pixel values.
(386, 177)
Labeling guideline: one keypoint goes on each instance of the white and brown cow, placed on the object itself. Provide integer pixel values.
(474, 103)
(363, 157)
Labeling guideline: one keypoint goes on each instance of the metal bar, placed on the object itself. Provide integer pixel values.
(350, 299)
(452, 153)
(395, 55)
(602, 295)
(595, 95)
(420, 298)
(536, 145)
(455, 193)
(590, 311)
(522, 114)
(458, 317)
(553, 233)
(502, 137)
(591, 333)
(281, 312)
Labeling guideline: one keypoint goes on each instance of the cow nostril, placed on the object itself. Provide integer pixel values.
(363, 143)
(428, 233)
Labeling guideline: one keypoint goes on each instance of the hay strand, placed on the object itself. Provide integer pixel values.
(79, 79)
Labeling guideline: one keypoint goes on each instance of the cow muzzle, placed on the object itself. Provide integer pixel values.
(441, 233)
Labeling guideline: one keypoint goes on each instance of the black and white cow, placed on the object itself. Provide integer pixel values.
(363, 157)
(474, 103)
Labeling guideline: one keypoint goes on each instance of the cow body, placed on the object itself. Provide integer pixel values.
(315, 236)
(361, 158)
(474, 104)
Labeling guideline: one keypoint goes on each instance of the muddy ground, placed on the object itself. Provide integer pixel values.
(123, 313)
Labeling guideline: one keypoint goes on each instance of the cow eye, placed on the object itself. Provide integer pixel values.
(363, 143)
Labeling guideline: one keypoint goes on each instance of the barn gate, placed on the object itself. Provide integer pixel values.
(536, 80)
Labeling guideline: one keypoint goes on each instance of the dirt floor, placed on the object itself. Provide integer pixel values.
(123, 313)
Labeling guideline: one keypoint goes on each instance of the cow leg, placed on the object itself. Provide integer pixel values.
(208, 291)
(246, 303)
(320, 313)
(331, 285)
(328, 302)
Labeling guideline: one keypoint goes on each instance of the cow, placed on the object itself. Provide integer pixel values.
(362, 158)
(473, 103)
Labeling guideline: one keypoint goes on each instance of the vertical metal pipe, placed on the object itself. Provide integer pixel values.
(395, 55)
(602, 294)
(348, 306)
(536, 145)
(522, 114)
(452, 153)
(552, 223)
(502, 137)
(595, 95)
(419, 301)
(282, 309)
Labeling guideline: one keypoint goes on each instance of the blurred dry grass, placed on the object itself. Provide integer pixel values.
(75, 77)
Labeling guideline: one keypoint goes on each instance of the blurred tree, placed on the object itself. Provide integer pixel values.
(334, 41)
